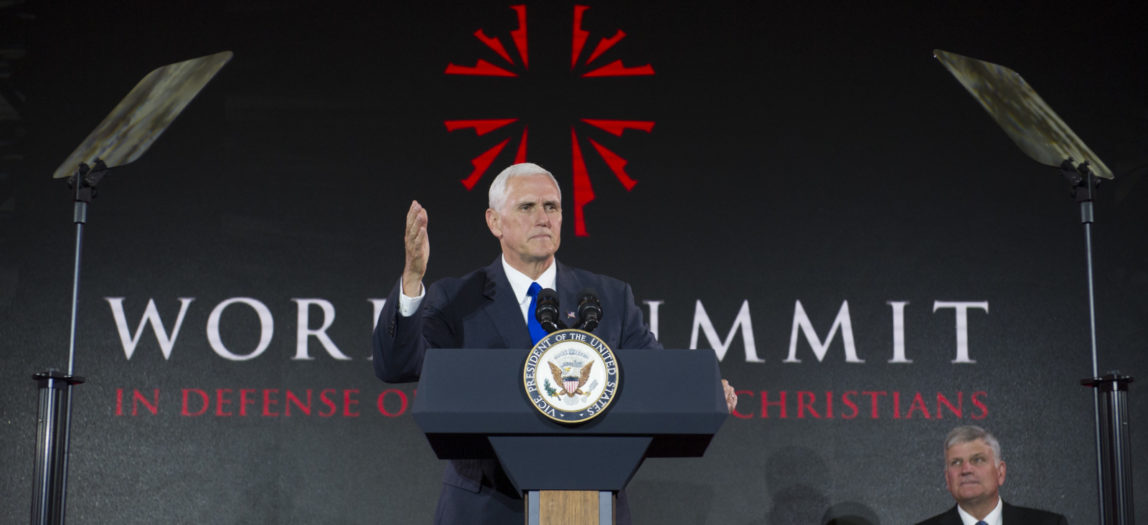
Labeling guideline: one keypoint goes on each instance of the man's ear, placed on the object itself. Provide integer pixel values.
(492, 223)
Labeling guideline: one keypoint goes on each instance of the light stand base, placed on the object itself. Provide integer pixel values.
(1116, 461)
(53, 425)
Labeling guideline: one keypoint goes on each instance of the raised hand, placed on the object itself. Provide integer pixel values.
(417, 248)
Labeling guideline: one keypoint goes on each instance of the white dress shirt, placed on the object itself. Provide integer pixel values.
(520, 283)
(994, 517)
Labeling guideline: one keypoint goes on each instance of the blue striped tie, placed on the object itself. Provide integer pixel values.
(982, 522)
(536, 330)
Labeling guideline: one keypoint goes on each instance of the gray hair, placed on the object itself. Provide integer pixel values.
(496, 197)
(968, 433)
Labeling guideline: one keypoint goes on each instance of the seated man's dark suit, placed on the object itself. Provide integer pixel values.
(479, 310)
(1010, 515)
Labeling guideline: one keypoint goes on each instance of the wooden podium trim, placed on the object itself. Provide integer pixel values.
(570, 507)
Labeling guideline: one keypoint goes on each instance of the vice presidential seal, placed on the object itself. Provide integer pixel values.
(571, 376)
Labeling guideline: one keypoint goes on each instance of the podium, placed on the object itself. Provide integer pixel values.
(471, 404)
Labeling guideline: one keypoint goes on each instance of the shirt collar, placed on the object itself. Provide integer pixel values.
(520, 282)
(993, 518)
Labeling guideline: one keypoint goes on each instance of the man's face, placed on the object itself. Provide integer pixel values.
(972, 472)
(529, 225)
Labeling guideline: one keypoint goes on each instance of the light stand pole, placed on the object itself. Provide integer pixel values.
(54, 418)
(1043, 136)
(123, 136)
(1110, 392)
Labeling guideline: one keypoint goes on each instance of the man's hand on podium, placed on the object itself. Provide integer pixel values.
(730, 395)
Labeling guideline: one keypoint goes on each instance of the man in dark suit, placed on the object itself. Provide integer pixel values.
(974, 473)
(489, 308)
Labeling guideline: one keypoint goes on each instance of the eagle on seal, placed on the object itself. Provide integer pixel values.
(571, 378)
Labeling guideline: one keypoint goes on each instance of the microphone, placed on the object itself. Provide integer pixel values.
(589, 310)
(546, 310)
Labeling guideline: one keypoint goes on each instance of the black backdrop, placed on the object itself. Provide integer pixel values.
(803, 157)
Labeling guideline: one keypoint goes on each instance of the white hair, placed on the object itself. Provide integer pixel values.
(969, 433)
(496, 197)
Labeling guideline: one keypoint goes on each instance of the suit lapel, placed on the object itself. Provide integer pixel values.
(502, 308)
(953, 517)
(1009, 513)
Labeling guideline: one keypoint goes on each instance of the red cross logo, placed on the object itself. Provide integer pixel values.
(517, 65)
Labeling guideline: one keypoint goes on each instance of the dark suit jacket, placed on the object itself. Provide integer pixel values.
(479, 310)
(1010, 515)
